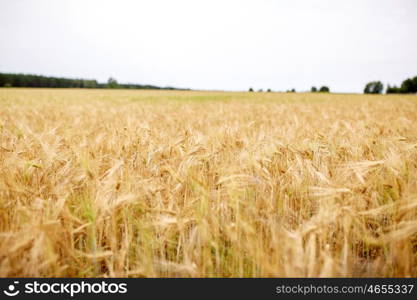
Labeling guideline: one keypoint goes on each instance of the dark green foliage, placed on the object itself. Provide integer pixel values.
(408, 86)
(250, 89)
(112, 83)
(393, 90)
(29, 80)
(268, 90)
(324, 89)
(313, 89)
(374, 87)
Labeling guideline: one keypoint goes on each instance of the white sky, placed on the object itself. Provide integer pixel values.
(214, 44)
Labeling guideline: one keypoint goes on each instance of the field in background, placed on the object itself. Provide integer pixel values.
(168, 183)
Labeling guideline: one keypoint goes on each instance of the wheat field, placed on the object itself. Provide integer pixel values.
(124, 183)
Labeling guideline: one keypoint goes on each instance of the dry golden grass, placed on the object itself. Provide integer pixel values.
(178, 184)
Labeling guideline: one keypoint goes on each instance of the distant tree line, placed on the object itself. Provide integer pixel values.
(408, 86)
(260, 90)
(35, 81)
(323, 89)
(28, 80)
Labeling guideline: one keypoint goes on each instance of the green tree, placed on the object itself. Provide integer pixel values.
(393, 90)
(313, 89)
(409, 85)
(250, 89)
(324, 89)
(112, 83)
(374, 87)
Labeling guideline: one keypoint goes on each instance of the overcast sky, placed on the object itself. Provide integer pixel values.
(213, 44)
